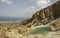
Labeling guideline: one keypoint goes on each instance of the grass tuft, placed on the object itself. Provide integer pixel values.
(42, 30)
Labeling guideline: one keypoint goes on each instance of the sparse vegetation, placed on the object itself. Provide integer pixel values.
(42, 30)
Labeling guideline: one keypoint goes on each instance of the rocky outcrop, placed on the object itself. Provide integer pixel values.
(48, 14)
(45, 15)
(26, 21)
(56, 9)
(55, 25)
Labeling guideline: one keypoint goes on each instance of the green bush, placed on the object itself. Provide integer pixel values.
(42, 30)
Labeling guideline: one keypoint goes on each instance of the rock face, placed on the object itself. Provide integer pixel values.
(45, 15)
(26, 21)
(48, 14)
(55, 25)
(56, 10)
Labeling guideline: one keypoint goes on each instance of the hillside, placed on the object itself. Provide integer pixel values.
(45, 15)
(45, 23)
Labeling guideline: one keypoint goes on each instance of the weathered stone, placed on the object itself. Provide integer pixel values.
(45, 15)
(55, 25)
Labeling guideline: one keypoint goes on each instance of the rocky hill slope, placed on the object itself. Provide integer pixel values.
(45, 15)
(45, 23)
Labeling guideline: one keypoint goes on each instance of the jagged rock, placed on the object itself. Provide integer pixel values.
(29, 25)
(56, 9)
(55, 25)
(26, 21)
(48, 14)
(45, 15)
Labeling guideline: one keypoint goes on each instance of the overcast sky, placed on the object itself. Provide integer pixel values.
(22, 8)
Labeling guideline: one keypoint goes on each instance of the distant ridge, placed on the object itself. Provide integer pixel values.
(10, 19)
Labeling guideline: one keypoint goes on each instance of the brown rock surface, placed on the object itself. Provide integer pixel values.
(45, 15)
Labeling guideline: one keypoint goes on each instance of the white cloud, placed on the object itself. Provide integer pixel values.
(42, 3)
(29, 8)
(28, 11)
(6, 1)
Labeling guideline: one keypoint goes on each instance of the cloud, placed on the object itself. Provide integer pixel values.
(28, 11)
(29, 8)
(42, 3)
(6, 1)
(13, 12)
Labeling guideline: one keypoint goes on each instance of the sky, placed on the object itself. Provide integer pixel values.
(22, 8)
